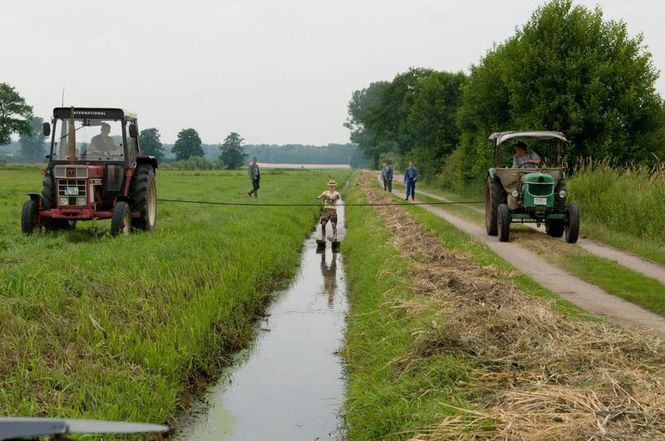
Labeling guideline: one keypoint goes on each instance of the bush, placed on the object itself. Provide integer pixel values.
(194, 163)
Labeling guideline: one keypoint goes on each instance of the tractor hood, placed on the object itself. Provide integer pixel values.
(537, 178)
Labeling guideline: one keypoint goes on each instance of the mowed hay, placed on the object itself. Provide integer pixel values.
(540, 375)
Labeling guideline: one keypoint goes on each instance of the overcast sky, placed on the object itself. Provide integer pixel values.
(276, 72)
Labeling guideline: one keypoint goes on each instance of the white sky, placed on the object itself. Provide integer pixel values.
(275, 71)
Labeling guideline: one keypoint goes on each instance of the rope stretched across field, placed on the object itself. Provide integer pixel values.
(268, 204)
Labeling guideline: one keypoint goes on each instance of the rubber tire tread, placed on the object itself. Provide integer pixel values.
(28, 215)
(117, 223)
(573, 226)
(494, 195)
(138, 194)
(503, 223)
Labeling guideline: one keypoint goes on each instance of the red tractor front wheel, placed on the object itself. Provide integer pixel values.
(29, 217)
(121, 222)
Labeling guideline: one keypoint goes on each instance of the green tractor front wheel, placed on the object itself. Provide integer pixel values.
(572, 228)
(503, 222)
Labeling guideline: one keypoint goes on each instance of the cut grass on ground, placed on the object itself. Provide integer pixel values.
(383, 402)
(449, 348)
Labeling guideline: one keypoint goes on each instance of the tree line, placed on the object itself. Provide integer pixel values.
(16, 117)
(567, 69)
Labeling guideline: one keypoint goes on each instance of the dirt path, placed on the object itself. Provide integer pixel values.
(637, 264)
(585, 295)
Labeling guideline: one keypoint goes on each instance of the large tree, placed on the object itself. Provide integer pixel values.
(413, 115)
(232, 155)
(14, 114)
(149, 140)
(33, 147)
(567, 69)
(187, 145)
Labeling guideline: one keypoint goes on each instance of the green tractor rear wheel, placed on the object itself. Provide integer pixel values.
(554, 227)
(494, 195)
(573, 225)
(503, 224)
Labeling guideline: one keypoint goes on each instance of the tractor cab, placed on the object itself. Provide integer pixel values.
(527, 185)
(95, 171)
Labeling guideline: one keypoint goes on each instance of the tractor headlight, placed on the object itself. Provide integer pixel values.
(515, 193)
(80, 201)
(63, 201)
(562, 194)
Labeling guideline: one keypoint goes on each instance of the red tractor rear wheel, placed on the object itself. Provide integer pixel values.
(143, 194)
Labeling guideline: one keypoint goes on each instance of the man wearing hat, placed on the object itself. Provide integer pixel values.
(330, 198)
(255, 177)
(525, 158)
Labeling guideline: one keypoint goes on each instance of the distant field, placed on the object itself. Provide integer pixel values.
(305, 166)
(120, 328)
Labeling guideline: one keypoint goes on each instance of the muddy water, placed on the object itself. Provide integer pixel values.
(289, 385)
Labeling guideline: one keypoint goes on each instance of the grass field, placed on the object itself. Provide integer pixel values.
(123, 328)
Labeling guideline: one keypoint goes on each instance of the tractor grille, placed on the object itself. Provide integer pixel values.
(540, 189)
(66, 186)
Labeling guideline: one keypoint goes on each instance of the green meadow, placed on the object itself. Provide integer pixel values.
(127, 328)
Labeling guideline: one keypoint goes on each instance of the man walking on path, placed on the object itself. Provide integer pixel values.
(330, 198)
(410, 178)
(388, 177)
(255, 177)
(383, 176)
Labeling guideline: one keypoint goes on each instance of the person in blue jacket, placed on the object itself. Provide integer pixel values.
(410, 178)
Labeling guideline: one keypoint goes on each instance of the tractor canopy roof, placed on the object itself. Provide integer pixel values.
(93, 113)
(501, 137)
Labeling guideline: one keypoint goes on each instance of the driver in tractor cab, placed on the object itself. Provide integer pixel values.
(102, 144)
(525, 158)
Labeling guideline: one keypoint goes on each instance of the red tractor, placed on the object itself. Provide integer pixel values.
(95, 171)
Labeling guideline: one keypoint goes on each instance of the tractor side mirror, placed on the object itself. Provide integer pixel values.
(46, 129)
(133, 130)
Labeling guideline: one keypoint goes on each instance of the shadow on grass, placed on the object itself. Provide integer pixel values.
(93, 233)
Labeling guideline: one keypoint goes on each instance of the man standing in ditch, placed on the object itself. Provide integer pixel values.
(255, 177)
(330, 199)
(410, 178)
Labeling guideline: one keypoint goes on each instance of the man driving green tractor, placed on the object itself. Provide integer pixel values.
(527, 193)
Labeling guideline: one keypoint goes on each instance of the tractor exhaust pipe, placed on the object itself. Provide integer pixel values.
(71, 138)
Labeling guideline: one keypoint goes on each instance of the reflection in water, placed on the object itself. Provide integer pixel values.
(289, 385)
(329, 273)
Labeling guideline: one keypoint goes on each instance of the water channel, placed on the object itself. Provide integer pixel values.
(289, 384)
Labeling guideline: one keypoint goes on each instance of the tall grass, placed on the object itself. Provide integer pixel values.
(121, 328)
(626, 200)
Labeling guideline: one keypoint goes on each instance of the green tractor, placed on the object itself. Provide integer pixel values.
(533, 190)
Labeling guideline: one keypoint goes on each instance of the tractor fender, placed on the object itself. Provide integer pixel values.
(38, 199)
(150, 160)
(122, 198)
